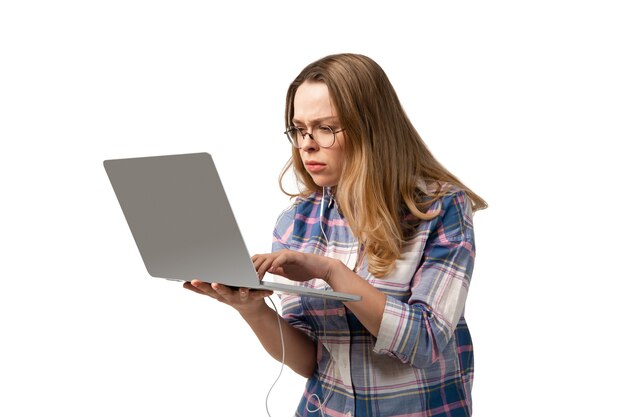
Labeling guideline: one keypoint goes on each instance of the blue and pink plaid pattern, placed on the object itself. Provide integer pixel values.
(421, 364)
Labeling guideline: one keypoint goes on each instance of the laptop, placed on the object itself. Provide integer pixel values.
(183, 225)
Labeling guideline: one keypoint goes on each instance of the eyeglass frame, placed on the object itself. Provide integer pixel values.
(305, 133)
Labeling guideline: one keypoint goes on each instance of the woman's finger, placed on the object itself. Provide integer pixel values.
(262, 262)
(277, 264)
(257, 295)
(237, 298)
(222, 290)
(201, 288)
(264, 266)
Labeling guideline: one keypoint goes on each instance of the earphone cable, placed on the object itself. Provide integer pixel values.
(282, 364)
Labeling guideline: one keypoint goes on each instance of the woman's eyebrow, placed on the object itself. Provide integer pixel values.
(327, 119)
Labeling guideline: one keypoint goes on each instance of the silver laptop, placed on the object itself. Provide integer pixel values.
(183, 225)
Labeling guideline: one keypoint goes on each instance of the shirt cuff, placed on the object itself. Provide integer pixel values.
(392, 326)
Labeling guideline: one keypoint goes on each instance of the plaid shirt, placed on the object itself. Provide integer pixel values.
(421, 363)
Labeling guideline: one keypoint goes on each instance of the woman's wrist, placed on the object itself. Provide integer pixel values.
(255, 314)
(335, 268)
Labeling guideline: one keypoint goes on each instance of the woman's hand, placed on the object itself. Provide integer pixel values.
(244, 300)
(296, 266)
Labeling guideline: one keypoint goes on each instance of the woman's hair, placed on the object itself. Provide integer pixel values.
(385, 161)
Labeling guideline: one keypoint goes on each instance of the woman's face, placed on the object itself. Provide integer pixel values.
(312, 108)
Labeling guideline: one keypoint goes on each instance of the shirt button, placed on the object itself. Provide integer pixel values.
(340, 313)
(348, 414)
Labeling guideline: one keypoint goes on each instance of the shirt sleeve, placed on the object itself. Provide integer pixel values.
(291, 304)
(417, 331)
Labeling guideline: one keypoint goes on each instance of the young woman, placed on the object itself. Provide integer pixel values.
(377, 216)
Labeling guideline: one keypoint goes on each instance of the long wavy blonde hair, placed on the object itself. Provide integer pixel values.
(385, 158)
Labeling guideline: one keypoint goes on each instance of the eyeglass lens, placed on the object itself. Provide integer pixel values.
(323, 135)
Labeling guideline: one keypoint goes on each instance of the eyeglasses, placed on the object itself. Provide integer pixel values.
(323, 135)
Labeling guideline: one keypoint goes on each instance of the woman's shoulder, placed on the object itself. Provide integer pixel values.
(304, 205)
(438, 189)
(299, 206)
(453, 210)
(439, 195)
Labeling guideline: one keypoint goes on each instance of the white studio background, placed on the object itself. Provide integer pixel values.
(524, 101)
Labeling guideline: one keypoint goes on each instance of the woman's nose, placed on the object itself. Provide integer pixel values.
(308, 143)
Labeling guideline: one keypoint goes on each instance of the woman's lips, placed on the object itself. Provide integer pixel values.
(314, 166)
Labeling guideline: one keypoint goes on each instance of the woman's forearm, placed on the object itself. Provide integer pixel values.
(369, 310)
(300, 350)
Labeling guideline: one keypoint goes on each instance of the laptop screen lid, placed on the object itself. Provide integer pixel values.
(183, 224)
